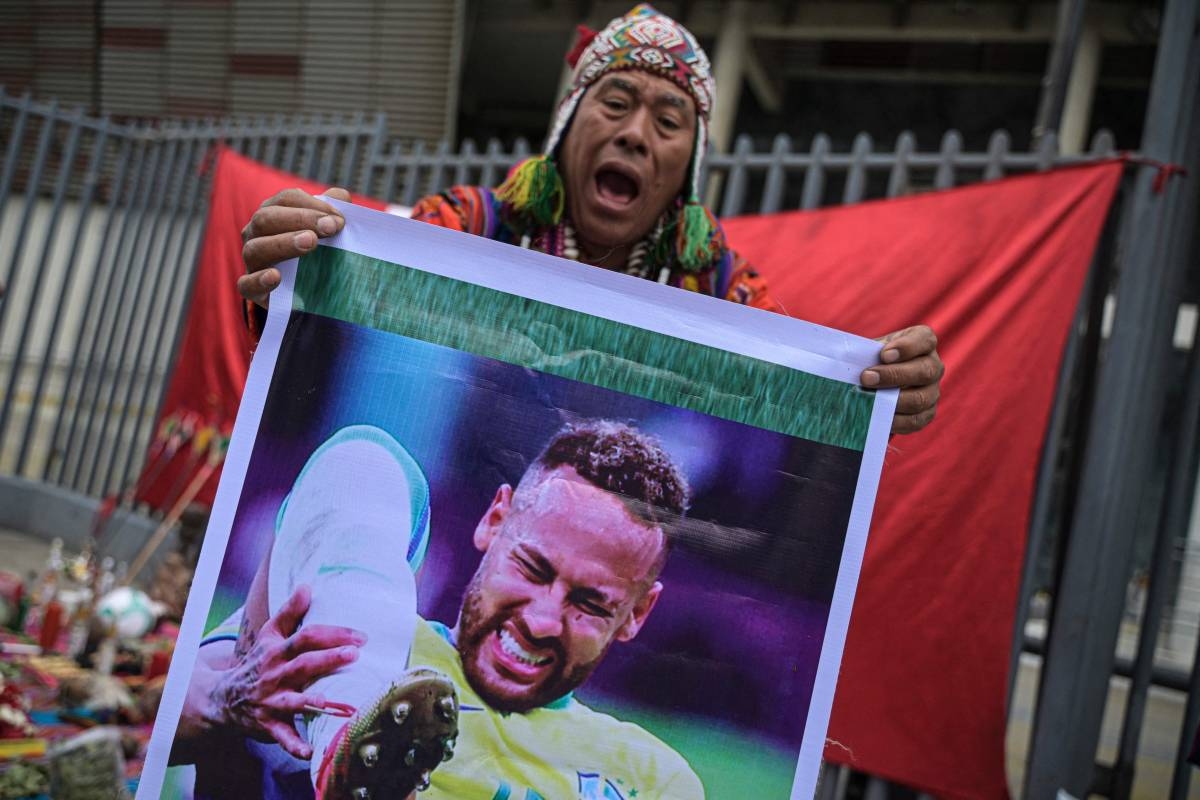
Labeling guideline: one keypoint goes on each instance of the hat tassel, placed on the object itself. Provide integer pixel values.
(534, 191)
(696, 244)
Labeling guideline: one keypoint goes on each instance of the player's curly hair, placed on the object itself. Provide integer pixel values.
(625, 461)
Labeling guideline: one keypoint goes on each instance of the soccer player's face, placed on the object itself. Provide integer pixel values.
(566, 572)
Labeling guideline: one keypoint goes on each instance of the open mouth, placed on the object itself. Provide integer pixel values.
(615, 187)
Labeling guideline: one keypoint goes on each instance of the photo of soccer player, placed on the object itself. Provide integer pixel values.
(459, 577)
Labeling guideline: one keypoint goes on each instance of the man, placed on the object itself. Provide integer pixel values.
(617, 187)
(570, 566)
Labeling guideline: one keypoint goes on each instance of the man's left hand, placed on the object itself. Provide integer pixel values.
(909, 362)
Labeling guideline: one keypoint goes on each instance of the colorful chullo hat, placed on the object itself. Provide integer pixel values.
(645, 40)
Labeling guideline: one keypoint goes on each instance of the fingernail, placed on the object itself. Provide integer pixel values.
(327, 226)
(889, 355)
(349, 653)
(359, 639)
(304, 240)
(870, 378)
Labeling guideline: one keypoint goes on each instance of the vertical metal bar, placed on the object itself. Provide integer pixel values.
(877, 788)
(95, 163)
(274, 131)
(139, 257)
(291, 152)
(814, 177)
(772, 196)
(1103, 144)
(735, 189)
(31, 193)
(312, 143)
(1090, 598)
(951, 147)
(1044, 495)
(997, 150)
(328, 149)
(492, 164)
(190, 255)
(1047, 149)
(906, 143)
(118, 286)
(437, 170)
(375, 144)
(388, 189)
(1182, 774)
(856, 178)
(145, 307)
(165, 282)
(345, 173)
(1172, 527)
(412, 174)
(462, 170)
(1058, 69)
(12, 155)
(258, 138)
(39, 277)
(115, 195)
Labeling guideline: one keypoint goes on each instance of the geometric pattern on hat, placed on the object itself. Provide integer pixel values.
(647, 40)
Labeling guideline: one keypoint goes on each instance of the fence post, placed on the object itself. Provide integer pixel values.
(814, 176)
(39, 275)
(1090, 597)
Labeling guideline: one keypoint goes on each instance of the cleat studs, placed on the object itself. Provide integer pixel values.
(410, 757)
(360, 793)
(400, 711)
(447, 708)
(369, 754)
(447, 750)
(423, 781)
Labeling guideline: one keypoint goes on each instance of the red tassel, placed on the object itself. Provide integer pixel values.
(583, 37)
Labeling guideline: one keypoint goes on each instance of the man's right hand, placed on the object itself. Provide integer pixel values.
(285, 226)
(266, 684)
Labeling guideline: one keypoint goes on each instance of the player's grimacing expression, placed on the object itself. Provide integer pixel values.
(566, 571)
(625, 156)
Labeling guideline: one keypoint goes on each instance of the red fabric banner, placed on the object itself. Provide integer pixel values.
(997, 270)
(214, 355)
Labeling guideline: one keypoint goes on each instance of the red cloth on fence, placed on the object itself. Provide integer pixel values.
(996, 269)
(214, 354)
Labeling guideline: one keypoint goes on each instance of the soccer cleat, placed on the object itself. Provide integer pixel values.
(392, 748)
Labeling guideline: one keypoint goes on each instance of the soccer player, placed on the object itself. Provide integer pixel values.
(570, 562)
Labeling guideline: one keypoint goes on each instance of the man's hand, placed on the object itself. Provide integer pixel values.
(266, 684)
(285, 226)
(909, 361)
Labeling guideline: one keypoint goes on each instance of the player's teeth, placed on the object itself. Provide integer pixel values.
(519, 653)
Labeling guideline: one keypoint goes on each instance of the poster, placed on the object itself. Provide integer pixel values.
(497, 525)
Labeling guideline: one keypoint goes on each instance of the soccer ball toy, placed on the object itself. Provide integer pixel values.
(129, 611)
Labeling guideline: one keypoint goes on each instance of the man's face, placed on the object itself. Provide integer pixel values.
(626, 155)
(566, 572)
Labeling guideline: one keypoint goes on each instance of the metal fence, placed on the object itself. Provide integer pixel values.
(100, 222)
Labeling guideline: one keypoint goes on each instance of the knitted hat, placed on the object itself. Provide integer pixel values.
(643, 39)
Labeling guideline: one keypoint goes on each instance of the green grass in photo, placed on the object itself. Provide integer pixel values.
(374, 293)
(730, 764)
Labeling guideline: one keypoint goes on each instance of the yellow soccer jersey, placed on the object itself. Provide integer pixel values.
(564, 751)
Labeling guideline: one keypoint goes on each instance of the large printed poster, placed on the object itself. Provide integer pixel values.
(494, 525)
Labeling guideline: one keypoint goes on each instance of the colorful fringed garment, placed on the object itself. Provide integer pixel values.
(476, 210)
